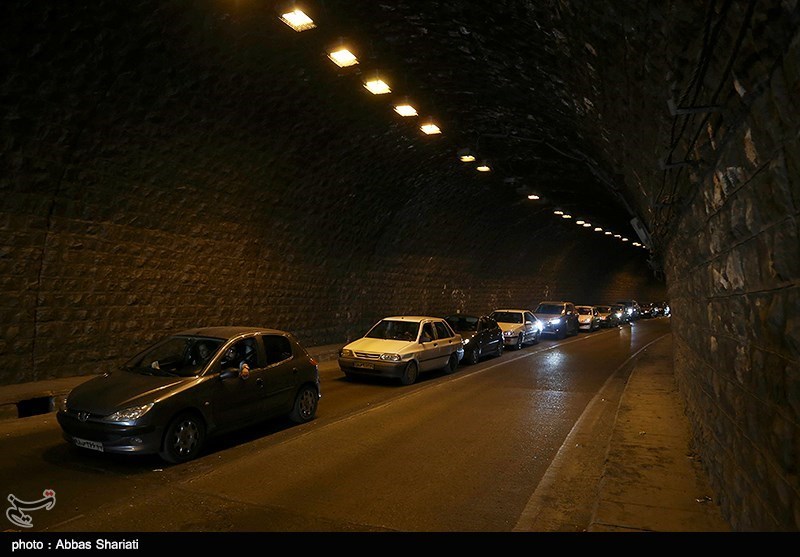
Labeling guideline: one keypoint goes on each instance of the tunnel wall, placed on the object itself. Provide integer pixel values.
(734, 267)
(164, 168)
(716, 178)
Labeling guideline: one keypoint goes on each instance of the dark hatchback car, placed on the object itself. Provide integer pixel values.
(189, 387)
(480, 335)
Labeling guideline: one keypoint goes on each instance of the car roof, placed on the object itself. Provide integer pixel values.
(514, 309)
(226, 332)
(555, 302)
(411, 318)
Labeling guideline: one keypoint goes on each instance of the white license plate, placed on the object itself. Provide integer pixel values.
(364, 365)
(86, 444)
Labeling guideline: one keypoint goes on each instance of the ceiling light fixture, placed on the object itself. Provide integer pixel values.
(298, 20)
(533, 196)
(598, 229)
(566, 216)
(484, 167)
(405, 110)
(624, 239)
(342, 57)
(617, 236)
(377, 86)
(579, 221)
(465, 155)
(608, 233)
(430, 128)
(587, 225)
(558, 212)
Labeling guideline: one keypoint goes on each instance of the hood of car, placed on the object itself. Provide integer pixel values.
(118, 390)
(379, 346)
(510, 326)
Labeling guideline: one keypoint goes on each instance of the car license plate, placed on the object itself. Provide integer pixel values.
(365, 365)
(86, 444)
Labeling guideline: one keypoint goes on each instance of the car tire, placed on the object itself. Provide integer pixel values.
(305, 405)
(474, 355)
(183, 438)
(452, 364)
(500, 347)
(410, 373)
(520, 341)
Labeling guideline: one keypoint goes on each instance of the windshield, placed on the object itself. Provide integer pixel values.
(550, 309)
(604, 309)
(180, 356)
(507, 316)
(584, 311)
(394, 330)
(463, 322)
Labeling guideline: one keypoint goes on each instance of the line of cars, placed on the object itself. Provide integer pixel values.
(196, 384)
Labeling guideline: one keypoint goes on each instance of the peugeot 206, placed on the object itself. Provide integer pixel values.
(170, 398)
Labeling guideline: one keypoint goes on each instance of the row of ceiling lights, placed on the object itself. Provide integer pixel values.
(343, 57)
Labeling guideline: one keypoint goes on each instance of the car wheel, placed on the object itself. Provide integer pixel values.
(410, 373)
(184, 438)
(305, 405)
(474, 355)
(500, 347)
(520, 342)
(452, 364)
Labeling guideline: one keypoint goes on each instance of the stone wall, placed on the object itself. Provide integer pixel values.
(734, 276)
(163, 168)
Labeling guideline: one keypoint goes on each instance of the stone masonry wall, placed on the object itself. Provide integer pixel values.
(733, 270)
(166, 165)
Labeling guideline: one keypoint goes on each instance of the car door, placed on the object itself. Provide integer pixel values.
(447, 341)
(279, 376)
(530, 331)
(490, 334)
(430, 352)
(235, 400)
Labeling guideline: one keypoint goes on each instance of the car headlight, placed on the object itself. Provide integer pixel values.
(508, 333)
(391, 357)
(129, 414)
(556, 321)
(345, 353)
(630, 311)
(618, 314)
(538, 326)
(465, 341)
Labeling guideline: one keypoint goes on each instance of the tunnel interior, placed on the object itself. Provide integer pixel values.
(168, 165)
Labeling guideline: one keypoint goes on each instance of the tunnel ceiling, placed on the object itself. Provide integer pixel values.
(499, 78)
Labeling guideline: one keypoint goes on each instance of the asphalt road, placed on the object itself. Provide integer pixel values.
(513, 443)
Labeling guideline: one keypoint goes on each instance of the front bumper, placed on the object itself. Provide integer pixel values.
(110, 438)
(375, 367)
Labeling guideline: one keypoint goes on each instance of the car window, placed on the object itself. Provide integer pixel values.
(427, 331)
(462, 322)
(277, 348)
(243, 351)
(584, 311)
(442, 330)
(507, 316)
(550, 309)
(529, 316)
(389, 329)
(177, 355)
